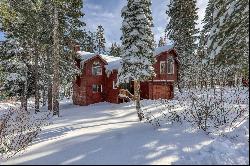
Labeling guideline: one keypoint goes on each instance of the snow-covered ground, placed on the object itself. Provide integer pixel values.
(107, 133)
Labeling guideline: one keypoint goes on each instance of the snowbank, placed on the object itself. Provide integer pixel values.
(107, 133)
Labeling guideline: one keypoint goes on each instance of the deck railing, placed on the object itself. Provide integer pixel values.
(124, 93)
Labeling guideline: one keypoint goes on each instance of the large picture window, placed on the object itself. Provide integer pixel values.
(96, 88)
(96, 69)
(170, 65)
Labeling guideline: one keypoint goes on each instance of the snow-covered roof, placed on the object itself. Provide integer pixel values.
(162, 49)
(113, 63)
(85, 56)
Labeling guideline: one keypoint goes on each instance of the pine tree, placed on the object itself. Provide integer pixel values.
(226, 32)
(161, 42)
(33, 31)
(115, 50)
(230, 29)
(18, 72)
(100, 40)
(89, 44)
(138, 46)
(26, 30)
(67, 30)
(181, 30)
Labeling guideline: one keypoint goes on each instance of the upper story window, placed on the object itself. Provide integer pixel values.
(170, 65)
(96, 69)
(163, 67)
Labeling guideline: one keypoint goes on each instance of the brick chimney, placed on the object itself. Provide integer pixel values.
(77, 48)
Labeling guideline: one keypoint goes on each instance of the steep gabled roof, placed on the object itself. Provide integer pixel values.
(162, 49)
(112, 63)
(115, 63)
(86, 56)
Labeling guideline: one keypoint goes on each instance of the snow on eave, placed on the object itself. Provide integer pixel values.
(112, 63)
(162, 49)
(86, 56)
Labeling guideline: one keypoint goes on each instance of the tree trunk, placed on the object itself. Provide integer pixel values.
(24, 97)
(37, 97)
(137, 99)
(50, 102)
(49, 70)
(179, 79)
(56, 58)
(236, 82)
(44, 96)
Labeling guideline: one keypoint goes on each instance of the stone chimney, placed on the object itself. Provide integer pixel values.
(77, 48)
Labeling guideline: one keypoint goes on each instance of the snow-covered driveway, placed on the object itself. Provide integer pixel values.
(107, 133)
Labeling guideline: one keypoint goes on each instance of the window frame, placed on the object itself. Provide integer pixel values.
(164, 71)
(98, 88)
(172, 65)
(98, 66)
(114, 85)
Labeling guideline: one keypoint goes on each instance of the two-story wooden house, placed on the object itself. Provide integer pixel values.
(97, 82)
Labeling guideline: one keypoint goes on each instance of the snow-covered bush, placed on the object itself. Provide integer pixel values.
(18, 128)
(161, 111)
(215, 109)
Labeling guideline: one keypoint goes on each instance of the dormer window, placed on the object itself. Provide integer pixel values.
(170, 65)
(96, 69)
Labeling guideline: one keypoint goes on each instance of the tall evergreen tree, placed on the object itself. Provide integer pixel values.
(226, 30)
(31, 24)
(182, 31)
(22, 24)
(100, 40)
(230, 30)
(115, 50)
(89, 43)
(138, 46)
(161, 42)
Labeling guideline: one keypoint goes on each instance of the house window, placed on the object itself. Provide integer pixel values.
(114, 85)
(162, 67)
(96, 69)
(170, 65)
(97, 88)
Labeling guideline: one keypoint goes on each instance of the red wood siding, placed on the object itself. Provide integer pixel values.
(88, 80)
(111, 94)
(163, 57)
(94, 97)
(162, 91)
(144, 90)
(159, 87)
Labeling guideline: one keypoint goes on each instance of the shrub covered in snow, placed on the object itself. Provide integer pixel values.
(214, 110)
(18, 128)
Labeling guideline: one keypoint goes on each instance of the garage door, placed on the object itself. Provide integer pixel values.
(162, 92)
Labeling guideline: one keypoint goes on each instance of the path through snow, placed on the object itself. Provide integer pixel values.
(107, 133)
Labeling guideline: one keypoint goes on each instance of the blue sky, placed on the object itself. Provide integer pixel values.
(107, 14)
